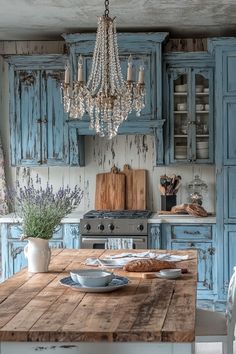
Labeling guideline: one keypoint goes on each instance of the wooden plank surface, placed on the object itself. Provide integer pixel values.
(135, 188)
(110, 191)
(38, 308)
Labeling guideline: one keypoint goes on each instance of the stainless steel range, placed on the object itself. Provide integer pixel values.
(123, 229)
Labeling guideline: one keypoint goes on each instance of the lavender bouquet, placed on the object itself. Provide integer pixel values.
(41, 209)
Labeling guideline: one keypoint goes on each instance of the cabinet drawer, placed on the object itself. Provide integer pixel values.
(188, 232)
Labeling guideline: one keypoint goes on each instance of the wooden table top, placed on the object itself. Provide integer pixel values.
(36, 307)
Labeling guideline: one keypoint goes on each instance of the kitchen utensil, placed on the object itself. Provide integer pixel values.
(110, 190)
(135, 189)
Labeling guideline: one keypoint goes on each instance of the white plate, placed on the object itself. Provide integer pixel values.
(116, 283)
(169, 276)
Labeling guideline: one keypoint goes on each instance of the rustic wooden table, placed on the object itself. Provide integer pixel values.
(147, 316)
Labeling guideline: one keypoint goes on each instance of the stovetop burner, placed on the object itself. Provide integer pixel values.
(118, 214)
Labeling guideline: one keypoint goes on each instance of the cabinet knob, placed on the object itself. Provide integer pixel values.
(192, 244)
(40, 162)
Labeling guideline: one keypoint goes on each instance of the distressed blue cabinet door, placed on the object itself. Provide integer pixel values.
(26, 148)
(205, 263)
(229, 254)
(55, 137)
(154, 236)
(71, 235)
(189, 108)
(229, 126)
(40, 134)
(230, 194)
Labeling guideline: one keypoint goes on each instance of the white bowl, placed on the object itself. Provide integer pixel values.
(181, 88)
(181, 106)
(207, 107)
(199, 88)
(167, 272)
(91, 277)
(206, 89)
(199, 107)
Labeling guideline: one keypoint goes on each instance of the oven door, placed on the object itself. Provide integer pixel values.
(101, 242)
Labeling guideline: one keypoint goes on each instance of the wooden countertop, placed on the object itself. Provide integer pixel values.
(36, 307)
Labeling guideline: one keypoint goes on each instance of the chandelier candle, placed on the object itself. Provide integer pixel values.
(107, 97)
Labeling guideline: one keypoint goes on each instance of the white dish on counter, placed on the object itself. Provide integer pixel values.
(116, 283)
(175, 272)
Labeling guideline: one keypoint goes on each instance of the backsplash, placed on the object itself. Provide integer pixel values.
(138, 151)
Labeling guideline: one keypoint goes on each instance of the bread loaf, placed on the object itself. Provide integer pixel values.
(147, 265)
(196, 210)
(179, 209)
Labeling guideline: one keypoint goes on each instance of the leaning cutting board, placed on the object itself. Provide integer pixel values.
(136, 188)
(110, 190)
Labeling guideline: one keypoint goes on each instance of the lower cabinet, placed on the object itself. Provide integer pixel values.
(201, 238)
(229, 255)
(154, 236)
(12, 249)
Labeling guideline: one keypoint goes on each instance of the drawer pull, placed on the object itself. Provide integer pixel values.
(191, 244)
(192, 232)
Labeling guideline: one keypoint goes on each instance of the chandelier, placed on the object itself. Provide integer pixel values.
(107, 97)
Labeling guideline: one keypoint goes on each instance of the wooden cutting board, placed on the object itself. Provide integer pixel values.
(110, 190)
(135, 190)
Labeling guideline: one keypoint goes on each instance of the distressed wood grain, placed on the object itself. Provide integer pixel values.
(147, 310)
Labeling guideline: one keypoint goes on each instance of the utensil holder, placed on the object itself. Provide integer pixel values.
(168, 201)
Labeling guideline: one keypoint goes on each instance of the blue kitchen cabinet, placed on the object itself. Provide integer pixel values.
(229, 255)
(229, 130)
(12, 249)
(188, 98)
(202, 239)
(145, 49)
(229, 194)
(39, 133)
(154, 236)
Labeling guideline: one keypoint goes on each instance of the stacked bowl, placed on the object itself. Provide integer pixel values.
(202, 149)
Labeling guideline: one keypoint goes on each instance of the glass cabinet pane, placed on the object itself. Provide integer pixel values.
(181, 93)
(202, 110)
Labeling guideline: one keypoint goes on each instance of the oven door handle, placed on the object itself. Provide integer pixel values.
(99, 239)
(95, 239)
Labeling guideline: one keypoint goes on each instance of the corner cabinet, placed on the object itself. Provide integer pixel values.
(202, 239)
(12, 249)
(189, 109)
(39, 133)
(146, 49)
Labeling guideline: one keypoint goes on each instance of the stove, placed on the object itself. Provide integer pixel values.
(123, 228)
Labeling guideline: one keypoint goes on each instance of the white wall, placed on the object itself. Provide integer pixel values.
(137, 151)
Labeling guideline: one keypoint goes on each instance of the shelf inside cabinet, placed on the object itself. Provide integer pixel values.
(180, 93)
(180, 112)
(180, 135)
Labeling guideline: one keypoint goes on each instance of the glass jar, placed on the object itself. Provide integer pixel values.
(196, 189)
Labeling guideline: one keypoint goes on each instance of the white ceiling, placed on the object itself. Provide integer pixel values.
(47, 19)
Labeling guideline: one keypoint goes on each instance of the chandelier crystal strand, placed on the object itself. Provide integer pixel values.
(106, 97)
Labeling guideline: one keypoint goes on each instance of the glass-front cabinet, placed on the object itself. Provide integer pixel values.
(190, 114)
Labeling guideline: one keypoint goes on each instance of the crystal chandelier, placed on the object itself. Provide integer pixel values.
(107, 97)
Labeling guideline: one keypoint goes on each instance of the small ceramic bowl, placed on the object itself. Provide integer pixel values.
(91, 277)
(199, 107)
(170, 272)
(199, 88)
(181, 88)
(181, 106)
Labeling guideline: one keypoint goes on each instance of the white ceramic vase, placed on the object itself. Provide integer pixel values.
(38, 254)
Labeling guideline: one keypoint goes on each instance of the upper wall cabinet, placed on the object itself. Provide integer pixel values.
(224, 50)
(39, 133)
(145, 49)
(189, 108)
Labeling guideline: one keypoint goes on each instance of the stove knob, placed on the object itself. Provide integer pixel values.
(140, 227)
(111, 227)
(101, 227)
(87, 227)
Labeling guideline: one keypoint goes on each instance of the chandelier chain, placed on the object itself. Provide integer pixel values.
(106, 8)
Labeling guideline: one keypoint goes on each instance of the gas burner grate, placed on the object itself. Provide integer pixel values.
(118, 214)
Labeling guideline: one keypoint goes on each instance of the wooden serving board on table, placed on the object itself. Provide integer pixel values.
(110, 190)
(135, 189)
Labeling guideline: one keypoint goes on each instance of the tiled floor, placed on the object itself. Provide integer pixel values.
(210, 348)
